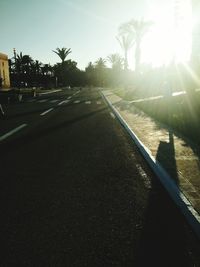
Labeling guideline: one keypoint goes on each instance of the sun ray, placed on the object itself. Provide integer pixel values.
(170, 40)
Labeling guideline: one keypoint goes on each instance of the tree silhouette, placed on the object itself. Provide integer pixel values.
(136, 29)
(100, 67)
(90, 74)
(125, 39)
(62, 53)
(116, 61)
(100, 63)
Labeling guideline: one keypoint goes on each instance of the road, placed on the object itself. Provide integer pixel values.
(75, 191)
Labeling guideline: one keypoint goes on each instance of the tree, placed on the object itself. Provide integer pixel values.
(90, 74)
(116, 61)
(100, 67)
(18, 63)
(100, 63)
(125, 39)
(23, 65)
(137, 29)
(38, 66)
(116, 72)
(62, 53)
(66, 72)
(24, 71)
(26, 62)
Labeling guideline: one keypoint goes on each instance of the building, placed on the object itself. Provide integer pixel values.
(4, 71)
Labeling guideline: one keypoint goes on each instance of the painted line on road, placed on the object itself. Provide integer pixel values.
(42, 101)
(98, 102)
(63, 102)
(76, 93)
(77, 102)
(3, 137)
(69, 97)
(174, 191)
(47, 111)
(54, 101)
(88, 102)
(50, 92)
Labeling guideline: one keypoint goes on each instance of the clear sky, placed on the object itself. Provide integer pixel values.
(88, 27)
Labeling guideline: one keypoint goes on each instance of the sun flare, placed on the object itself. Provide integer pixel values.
(170, 38)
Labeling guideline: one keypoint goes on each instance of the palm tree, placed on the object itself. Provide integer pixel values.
(36, 72)
(62, 53)
(137, 29)
(23, 65)
(100, 67)
(23, 62)
(18, 63)
(116, 60)
(125, 39)
(100, 63)
(38, 66)
(90, 73)
(115, 73)
(26, 61)
(89, 67)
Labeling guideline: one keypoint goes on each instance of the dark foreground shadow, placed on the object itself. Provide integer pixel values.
(166, 157)
(35, 134)
(164, 237)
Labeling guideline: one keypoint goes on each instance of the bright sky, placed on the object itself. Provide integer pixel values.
(89, 28)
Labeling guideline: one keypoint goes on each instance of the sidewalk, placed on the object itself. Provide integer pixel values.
(177, 155)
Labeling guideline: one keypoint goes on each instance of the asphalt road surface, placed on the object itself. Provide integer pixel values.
(75, 191)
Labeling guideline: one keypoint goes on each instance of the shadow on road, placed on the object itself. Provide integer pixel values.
(34, 111)
(165, 237)
(35, 134)
(166, 157)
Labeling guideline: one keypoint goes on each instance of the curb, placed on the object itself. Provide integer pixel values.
(174, 191)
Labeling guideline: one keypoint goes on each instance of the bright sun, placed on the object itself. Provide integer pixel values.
(171, 36)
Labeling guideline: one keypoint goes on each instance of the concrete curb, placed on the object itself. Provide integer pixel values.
(174, 191)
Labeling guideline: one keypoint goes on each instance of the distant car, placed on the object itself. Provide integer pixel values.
(68, 87)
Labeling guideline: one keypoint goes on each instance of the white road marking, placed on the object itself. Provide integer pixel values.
(63, 102)
(50, 92)
(77, 101)
(3, 137)
(31, 100)
(69, 97)
(47, 111)
(87, 102)
(112, 115)
(76, 93)
(54, 101)
(42, 101)
(98, 102)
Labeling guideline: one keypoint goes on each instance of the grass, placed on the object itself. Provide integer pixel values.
(181, 113)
